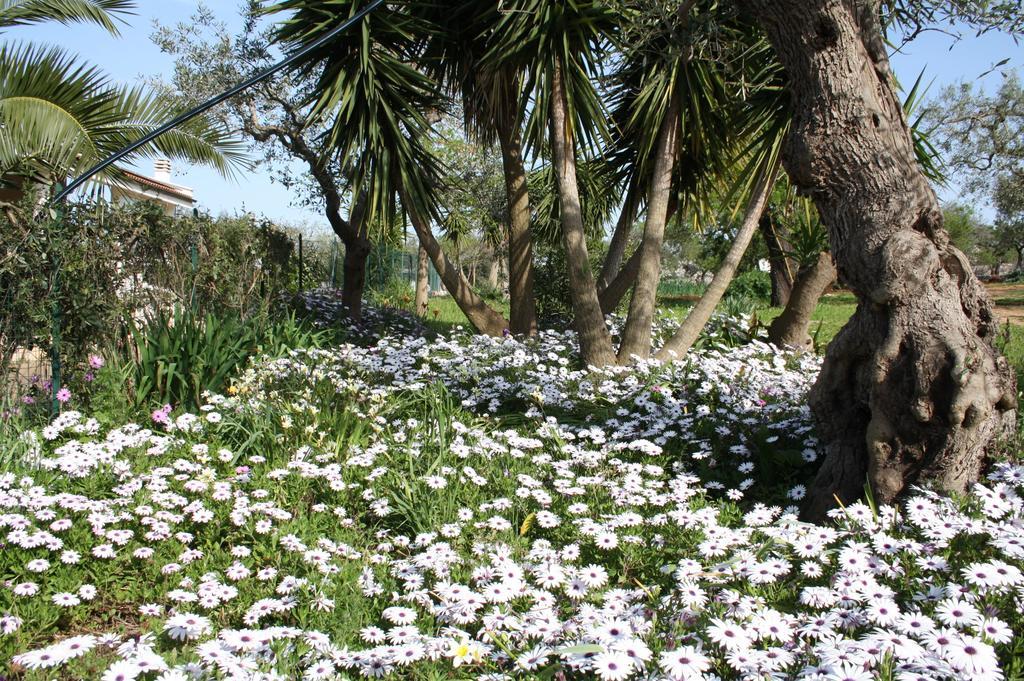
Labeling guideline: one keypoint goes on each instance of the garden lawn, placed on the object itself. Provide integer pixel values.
(469, 507)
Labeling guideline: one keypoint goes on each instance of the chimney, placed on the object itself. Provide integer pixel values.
(162, 170)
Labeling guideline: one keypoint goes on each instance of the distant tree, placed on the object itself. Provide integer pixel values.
(961, 221)
(981, 136)
(1008, 231)
(275, 117)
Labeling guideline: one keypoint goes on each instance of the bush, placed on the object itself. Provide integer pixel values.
(551, 282)
(754, 285)
(98, 264)
(178, 355)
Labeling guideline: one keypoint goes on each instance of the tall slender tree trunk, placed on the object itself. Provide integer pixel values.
(595, 340)
(620, 238)
(783, 268)
(493, 269)
(522, 305)
(422, 281)
(789, 329)
(481, 315)
(636, 337)
(613, 294)
(912, 390)
(684, 338)
(353, 278)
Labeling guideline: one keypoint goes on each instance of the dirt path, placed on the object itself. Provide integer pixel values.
(1009, 300)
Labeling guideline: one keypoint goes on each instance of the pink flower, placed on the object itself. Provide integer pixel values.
(96, 362)
(63, 395)
(162, 415)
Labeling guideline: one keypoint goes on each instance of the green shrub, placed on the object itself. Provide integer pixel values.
(752, 284)
(182, 353)
(97, 264)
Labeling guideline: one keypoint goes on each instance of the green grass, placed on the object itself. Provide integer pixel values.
(833, 311)
(443, 314)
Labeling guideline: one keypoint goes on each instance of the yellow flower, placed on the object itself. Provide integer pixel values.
(465, 652)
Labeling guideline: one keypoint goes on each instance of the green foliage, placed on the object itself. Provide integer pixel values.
(980, 135)
(373, 98)
(680, 288)
(101, 264)
(961, 222)
(103, 13)
(551, 281)
(65, 261)
(59, 116)
(753, 287)
(180, 354)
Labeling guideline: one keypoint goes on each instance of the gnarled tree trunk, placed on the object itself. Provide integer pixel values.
(595, 341)
(684, 338)
(522, 305)
(912, 390)
(789, 329)
(636, 336)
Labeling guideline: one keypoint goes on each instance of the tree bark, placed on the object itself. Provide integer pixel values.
(789, 329)
(481, 315)
(684, 338)
(492, 271)
(353, 279)
(615, 291)
(636, 336)
(912, 390)
(595, 340)
(620, 239)
(522, 305)
(613, 294)
(783, 268)
(422, 282)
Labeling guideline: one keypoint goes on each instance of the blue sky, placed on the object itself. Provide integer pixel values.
(133, 57)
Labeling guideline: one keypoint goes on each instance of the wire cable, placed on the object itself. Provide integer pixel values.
(206, 106)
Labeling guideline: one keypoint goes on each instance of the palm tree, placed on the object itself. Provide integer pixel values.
(558, 45)
(377, 102)
(490, 94)
(101, 12)
(677, 132)
(59, 116)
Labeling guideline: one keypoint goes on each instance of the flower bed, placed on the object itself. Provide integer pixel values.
(466, 507)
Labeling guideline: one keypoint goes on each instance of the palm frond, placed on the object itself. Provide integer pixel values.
(535, 35)
(104, 13)
(58, 117)
(374, 99)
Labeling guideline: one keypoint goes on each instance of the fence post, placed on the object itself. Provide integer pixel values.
(300, 263)
(55, 321)
(194, 258)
